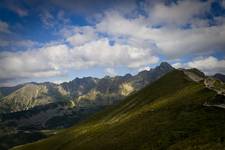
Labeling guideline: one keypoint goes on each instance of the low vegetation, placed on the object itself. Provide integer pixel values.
(168, 114)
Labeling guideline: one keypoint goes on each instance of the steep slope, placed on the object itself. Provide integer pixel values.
(30, 95)
(38, 106)
(8, 90)
(194, 74)
(85, 92)
(108, 90)
(220, 76)
(168, 114)
(212, 83)
(51, 116)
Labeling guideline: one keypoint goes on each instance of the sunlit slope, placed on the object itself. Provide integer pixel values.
(169, 114)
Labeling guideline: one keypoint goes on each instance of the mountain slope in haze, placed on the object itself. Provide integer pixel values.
(108, 90)
(4, 91)
(168, 114)
(220, 76)
(30, 95)
(52, 106)
(84, 92)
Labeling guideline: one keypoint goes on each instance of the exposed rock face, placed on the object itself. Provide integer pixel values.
(209, 82)
(194, 74)
(48, 105)
(215, 85)
(31, 95)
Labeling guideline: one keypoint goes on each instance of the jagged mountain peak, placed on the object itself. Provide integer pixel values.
(165, 65)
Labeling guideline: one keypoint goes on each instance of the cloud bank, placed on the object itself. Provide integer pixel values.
(133, 37)
(209, 65)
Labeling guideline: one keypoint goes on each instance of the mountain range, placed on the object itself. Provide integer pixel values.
(82, 91)
(171, 113)
(123, 102)
(28, 108)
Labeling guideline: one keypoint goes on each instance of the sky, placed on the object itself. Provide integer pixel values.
(59, 40)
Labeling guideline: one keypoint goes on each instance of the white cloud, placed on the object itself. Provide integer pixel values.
(101, 52)
(55, 60)
(19, 43)
(144, 68)
(178, 65)
(59, 81)
(172, 42)
(110, 71)
(116, 24)
(178, 13)
(53, 20)
(210, 65)
(175, 43)
(82, 35)
(36, 63)
(116, 40)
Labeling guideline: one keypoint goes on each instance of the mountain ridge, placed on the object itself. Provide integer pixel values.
(73, 90)
(167, 114)
(69, 112)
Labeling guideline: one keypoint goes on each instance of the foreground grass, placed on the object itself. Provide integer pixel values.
(165, 115)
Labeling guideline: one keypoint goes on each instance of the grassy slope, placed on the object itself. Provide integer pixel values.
(165, 115)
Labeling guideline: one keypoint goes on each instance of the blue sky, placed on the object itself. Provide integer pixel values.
(59, 40)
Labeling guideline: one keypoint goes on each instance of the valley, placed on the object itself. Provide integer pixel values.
(168, 114)
(169, 91)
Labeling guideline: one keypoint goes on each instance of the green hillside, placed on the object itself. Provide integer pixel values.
(168, 114)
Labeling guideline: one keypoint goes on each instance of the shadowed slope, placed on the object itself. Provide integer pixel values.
(165, 115)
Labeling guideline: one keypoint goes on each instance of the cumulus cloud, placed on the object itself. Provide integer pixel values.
(210, 65)
(110, 71)
(18, 43)
(178, 65)
(54, 60)
(81, 35)
(178, 13)
(172, 42)
(144, 68)
(53, 20)
(28, 64)
(175, 43)
(123, 38)
(103, 53)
